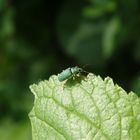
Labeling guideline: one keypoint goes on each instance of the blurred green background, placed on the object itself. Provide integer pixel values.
(39, 38)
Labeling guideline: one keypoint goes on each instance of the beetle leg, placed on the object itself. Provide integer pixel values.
(73, 77)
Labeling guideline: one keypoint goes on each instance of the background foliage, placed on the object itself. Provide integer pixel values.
(40, 38)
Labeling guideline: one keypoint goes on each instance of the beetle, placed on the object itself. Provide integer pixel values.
(69, 72)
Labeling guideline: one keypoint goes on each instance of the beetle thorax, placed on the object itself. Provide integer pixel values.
(76, 70)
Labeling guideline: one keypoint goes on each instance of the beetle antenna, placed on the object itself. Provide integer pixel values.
(85, 65)
(85, 71)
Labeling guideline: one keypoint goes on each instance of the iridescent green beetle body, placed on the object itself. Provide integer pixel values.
(69, 72)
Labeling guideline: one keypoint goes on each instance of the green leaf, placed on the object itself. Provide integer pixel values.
(109, 37)
(10, 130)
(97, 10)
(3, 4)
(86, 44)
(86, 108)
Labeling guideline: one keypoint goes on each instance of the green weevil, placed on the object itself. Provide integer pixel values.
(69, 72)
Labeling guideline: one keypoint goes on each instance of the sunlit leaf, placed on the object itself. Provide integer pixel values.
(89, 108)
